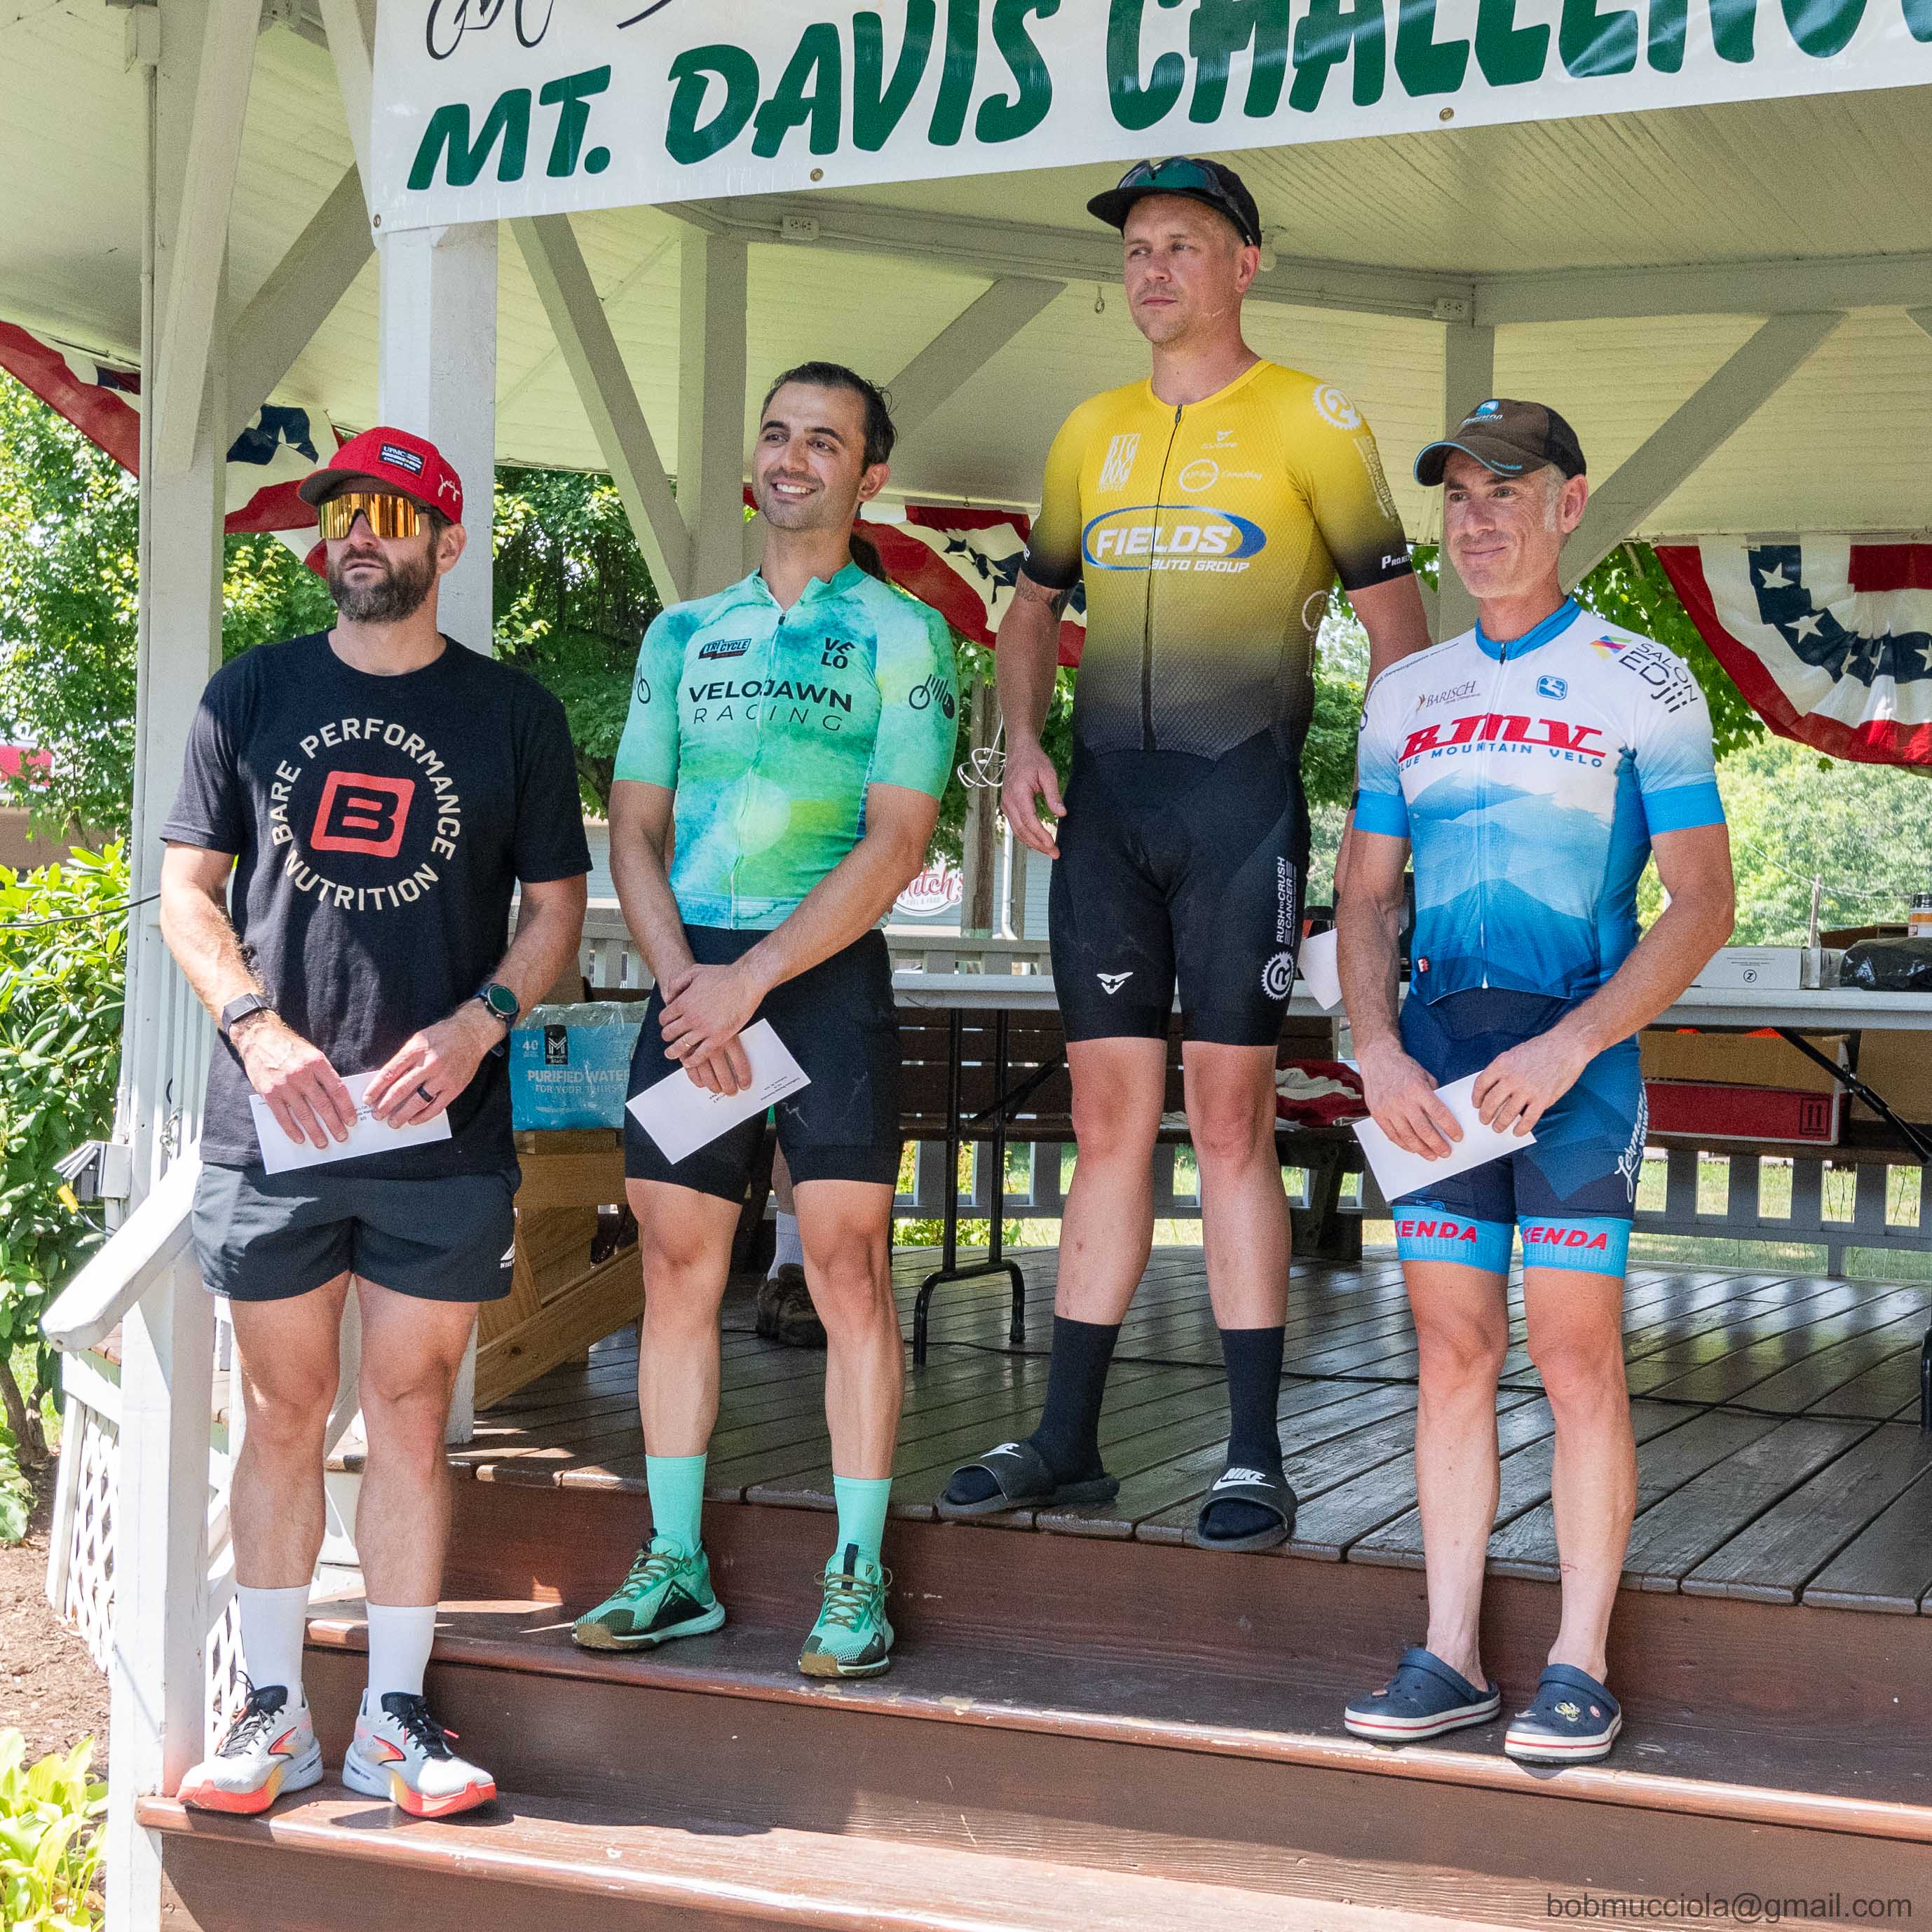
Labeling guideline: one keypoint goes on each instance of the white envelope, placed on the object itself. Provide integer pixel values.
(682, 1117)
(1320, 969)
(1399, 1172)
(369, 1135)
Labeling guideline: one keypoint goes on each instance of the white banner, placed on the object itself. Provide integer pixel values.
(489, 108)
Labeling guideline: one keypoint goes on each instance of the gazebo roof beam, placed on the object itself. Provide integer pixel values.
(350, 39)
(198, 253)
(1619, 506)
(1001, 249)
(304, 286)
(596, 366)
(1770, 286)
(965, 345)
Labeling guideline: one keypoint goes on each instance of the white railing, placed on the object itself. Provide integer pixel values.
(610, 960)
(172, 1583)
(142, 1559)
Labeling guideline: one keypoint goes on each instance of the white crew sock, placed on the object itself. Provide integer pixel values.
(273, 1624)
(399, 1645)
(790, 1247)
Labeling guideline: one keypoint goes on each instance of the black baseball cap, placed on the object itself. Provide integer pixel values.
(1207, 182)
(1508, 437)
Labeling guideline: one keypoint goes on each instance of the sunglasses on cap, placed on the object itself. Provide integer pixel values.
(1201, 181)
(1179, 172)
(388, 515)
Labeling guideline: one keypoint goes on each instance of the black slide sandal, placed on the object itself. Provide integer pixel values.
(1025, 1481)
(1266, 1491)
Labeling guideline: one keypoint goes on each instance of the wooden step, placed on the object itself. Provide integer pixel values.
(329, 1859)
(1277, 1621)
(1199, 1775)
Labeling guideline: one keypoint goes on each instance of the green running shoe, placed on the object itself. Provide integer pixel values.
(851, 1637)
(666, 1595)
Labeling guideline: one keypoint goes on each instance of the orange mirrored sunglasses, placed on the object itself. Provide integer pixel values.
(388, 516)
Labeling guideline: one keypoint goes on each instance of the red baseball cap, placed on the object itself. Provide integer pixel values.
(411, 464)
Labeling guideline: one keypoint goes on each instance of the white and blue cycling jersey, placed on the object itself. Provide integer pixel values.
(1529, 778)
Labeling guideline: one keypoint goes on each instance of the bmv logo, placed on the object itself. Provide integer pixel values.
(1552, 688)
(1169, 536)
(1491, 408)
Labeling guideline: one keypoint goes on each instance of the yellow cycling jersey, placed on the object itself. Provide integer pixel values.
(1208, 535)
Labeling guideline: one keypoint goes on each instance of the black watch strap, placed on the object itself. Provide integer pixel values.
(239, 1009)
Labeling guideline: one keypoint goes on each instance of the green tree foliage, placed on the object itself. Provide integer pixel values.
(1796, 815)
(975, 662)
(70, 525)
(50, 1837)
(574, 598)
(68, 519)
(63, 967)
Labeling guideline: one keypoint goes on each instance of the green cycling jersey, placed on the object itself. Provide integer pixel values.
(769, 724)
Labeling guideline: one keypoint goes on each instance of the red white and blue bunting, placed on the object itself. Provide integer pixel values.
(1830, 640)
(964, 563)
(281, 446)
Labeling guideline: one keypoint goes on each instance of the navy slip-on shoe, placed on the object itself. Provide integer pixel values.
(1422, 1699)
(1573, 1720)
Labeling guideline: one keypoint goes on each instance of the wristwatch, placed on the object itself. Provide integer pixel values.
(238, 1010)
(503, 1005)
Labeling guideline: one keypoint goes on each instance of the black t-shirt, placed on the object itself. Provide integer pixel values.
(380, 827)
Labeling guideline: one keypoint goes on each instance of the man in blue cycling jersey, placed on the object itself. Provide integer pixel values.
(1531, 765)
(796, 729)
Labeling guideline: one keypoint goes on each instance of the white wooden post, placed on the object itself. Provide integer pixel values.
(437, 378)
(179, 625)
(159, 1672)
(1468, 375)
(712, 299)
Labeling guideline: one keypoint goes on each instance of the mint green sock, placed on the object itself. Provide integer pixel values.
(861, 1503)
(676, 1484)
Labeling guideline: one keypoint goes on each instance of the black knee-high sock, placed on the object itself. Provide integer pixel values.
(1069, 1434)
(1253, 1357)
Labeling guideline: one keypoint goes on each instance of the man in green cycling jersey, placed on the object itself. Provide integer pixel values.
(1208, 511)
(796, 731)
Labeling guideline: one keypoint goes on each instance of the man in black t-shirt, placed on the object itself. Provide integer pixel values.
(357, 809)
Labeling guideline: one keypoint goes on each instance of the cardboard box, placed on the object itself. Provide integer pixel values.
(1709, 1109)
(1896, 1065)
(1737, 1059)
(1769, 968)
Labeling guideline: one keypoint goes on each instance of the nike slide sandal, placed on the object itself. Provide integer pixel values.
(1025, 1479)
(1268, 1489)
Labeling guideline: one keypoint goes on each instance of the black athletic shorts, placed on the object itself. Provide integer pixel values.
(1176, 867)
(270, 1237)
(838, 1021)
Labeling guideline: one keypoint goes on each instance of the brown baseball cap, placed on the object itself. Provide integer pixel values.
(1511, 438)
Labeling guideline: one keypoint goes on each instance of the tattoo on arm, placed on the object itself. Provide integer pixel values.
(1026, 590)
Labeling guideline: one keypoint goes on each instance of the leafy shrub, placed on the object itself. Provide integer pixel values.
(61, 990)
(49, 1840)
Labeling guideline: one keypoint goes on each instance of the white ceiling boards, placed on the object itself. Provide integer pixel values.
(491, 108)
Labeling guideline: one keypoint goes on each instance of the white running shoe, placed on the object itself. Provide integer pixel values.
(403, 1754)
(266, 1751)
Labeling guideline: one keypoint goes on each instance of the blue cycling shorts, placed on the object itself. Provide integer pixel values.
(1572, 1191)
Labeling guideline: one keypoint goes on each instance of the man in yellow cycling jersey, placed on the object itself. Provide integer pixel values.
(1208, 511)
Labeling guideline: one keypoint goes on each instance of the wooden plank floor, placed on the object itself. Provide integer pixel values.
(1780, 1457)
